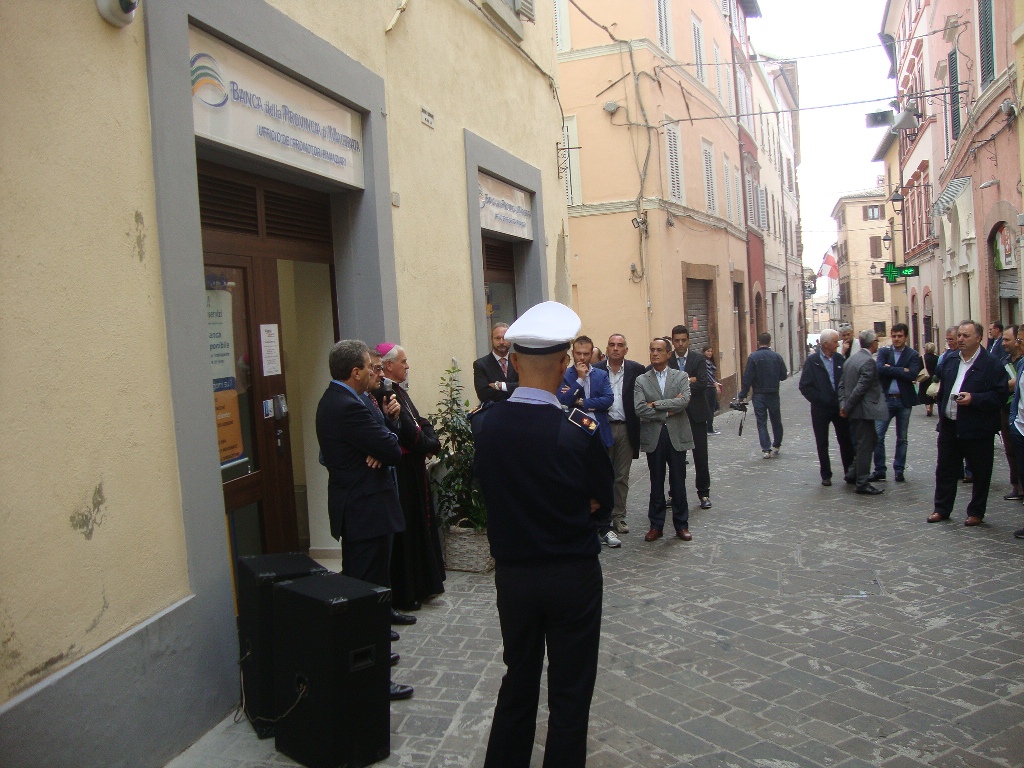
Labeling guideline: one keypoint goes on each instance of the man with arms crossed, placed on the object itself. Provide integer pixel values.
(623, 420)
(494, 378)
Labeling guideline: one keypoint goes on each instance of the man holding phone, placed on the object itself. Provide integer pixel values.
(972, 389)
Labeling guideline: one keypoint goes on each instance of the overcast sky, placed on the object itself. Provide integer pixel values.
(836, 148)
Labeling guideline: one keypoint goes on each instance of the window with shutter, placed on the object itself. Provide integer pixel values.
(864, 212)
(762, 207)
(751, 203)
(954, 95)
(709, 178)
(675, 169)
(563, 42)
(876, 247)
(698, 49)
(728, 89)
(725, 8)
(986, 42)
(718, 72)
(727, 187)
(664, 10)
(737, 191)
(569, 162)
(526, 9)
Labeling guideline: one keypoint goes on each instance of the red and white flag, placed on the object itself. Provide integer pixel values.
(829, 266)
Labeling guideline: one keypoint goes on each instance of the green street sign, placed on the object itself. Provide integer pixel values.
(893, 273)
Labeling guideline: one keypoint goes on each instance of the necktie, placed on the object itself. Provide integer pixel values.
(504, 367)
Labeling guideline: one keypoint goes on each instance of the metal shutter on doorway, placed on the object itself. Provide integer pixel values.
(228, 204)
(1009, 288)
(697, 311)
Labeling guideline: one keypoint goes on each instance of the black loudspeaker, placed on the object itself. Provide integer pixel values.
(255, 581)
(332, 648)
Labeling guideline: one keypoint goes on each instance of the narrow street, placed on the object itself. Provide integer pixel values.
(803, 626)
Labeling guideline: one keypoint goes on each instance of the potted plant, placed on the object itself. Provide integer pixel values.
(460, 504)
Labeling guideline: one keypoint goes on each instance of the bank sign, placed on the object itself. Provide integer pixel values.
(504, 208)
(244, 104)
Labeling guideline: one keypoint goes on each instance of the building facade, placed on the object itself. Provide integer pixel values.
(959, 164)
(203, 201)
(864, 296)
(669, 217)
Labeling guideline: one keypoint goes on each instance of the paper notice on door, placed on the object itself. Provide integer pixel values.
(270, 341)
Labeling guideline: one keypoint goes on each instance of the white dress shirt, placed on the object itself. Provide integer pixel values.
(965, 366)
(617, 412)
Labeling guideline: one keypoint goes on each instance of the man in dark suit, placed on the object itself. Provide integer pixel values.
(494, 377)
(623, 421)
(359, 452)
(995, 341)
(898, 368)
(693, 364)
(862, 401)
(819, 383)
(544, 477)
(972, 389)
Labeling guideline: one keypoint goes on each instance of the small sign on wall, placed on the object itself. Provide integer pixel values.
(271, 347)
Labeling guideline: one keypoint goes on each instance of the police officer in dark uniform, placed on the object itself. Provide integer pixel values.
(545, 477)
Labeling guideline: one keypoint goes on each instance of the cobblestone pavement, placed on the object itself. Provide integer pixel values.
(803, 626)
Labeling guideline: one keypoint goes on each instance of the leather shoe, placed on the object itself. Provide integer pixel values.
(413, 605)
(401, 618)
(1014, 496)
(399, 692)
(394, 659)
(850, 480)
(826, 481)
(1019, 534)
(874, 477)
(869, 490)
(395, 637)
(705, 502)
(935, 517)
(652, 535)
(900, 478)
(684, 534)
(971, 521)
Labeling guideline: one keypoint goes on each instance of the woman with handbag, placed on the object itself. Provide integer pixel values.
(417, 563)
(930, 360)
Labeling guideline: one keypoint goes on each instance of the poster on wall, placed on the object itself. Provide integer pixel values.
(221, 337)
(1002, 248)
(504, 208)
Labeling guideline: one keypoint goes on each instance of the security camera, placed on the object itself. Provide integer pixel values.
(120, 13)
(1007, 108)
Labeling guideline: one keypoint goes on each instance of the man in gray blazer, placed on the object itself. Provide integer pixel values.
(661, 396)
(862, 401)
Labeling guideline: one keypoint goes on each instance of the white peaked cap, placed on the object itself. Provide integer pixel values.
(544, 329)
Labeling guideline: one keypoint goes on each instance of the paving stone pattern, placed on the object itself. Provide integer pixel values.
(803, 626)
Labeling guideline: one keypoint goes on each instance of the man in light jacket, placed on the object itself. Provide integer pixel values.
(660, 397)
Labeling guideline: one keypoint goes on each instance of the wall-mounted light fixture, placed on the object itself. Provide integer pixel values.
(120, 13)
(886, 242)
(897, 201)
(989, 183)
(611, 107)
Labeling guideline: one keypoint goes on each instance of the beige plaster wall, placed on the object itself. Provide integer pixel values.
(444, 56)
(91, 538)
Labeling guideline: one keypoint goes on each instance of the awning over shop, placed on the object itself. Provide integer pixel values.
(952, 191)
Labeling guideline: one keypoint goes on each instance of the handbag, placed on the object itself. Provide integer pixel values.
(933, 389)
(923, 376)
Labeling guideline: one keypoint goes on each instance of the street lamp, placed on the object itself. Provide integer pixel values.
(886, 241)
(897, 203)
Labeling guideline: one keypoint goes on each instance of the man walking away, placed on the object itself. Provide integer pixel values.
(764, 372)
(898, 368)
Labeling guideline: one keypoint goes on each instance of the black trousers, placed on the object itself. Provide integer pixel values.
(662, 457)
(368, 560)
(979, 453)
(557, 606)
(701, 471)
(821, 418)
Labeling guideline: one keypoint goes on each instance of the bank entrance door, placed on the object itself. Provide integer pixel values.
(268, 255)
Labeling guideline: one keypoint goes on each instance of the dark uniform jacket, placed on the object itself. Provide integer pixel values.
(362, 503)
(538, 472)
